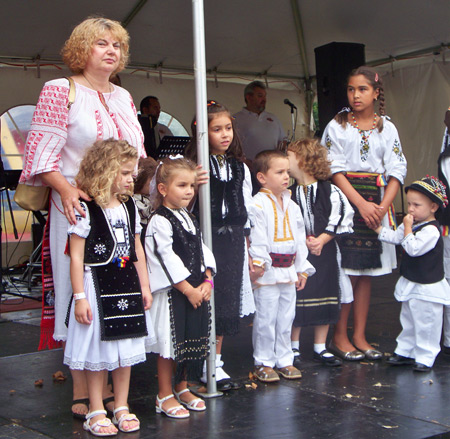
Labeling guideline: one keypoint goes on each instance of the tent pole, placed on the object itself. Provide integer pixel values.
(302, 47)
(203, 159)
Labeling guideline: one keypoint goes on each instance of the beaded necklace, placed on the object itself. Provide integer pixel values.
(362, 133)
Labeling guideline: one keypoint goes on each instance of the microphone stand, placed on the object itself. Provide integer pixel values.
(5, 188)
(293, 120)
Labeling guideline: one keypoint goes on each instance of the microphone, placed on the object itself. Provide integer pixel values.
(288, 102)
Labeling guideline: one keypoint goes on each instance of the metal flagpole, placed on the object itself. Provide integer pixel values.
(203, 159)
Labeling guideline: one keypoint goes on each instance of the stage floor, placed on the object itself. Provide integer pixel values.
(367, 399)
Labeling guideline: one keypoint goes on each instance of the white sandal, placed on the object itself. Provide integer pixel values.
(191, 405)
(172, 412)
(96, 426)
(125, 417)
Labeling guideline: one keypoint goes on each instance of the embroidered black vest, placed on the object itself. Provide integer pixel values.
(322, 205)
(186, 245)
(428, 268)
(229, 192)
(101, 241)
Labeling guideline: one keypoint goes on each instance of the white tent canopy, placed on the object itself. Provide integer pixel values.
(270, 40)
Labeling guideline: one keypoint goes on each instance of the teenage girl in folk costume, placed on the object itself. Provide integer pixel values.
(327, 214)
(231, 189)
(107, 322)
(368, 165)
(180, 269)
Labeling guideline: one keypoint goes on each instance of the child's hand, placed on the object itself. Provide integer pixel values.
(408, 220)
(206, 289)
(301, 282)
(202, 176)
(195, 297)
(83, 312)
(256, 273)
(147, 298)
(370, 213)
(315, 245)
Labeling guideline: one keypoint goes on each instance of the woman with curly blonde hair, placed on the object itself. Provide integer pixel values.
(327, 214)
(96, 50)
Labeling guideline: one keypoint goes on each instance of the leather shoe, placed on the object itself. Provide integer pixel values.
(328, 360)
(400, 360)
(227, 385)
(446, 350)
(419, 367)
(371, 354)
(348, 356)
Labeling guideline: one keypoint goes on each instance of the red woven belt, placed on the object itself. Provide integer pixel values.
(282, 260)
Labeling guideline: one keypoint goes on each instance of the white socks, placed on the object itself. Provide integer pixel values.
(295, 344)
(319, 347)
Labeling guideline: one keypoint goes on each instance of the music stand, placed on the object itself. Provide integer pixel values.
(8, 181)
(172, 145)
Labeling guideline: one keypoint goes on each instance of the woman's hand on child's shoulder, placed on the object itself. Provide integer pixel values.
(202, 176)
(83, 312)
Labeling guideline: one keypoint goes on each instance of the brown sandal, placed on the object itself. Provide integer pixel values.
(266, 374)
(290, 373)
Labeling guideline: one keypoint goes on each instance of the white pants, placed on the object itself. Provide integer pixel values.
(60, 266)
(446, 240)
(421, 334)
(272, 326)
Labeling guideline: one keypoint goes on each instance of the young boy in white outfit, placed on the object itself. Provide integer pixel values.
(422, 287)
(280, 266)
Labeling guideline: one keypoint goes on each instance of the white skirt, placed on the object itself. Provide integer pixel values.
(247, 299)
(85, 349)
(160, 315)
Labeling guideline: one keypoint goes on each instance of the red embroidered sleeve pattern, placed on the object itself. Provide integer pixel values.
(48, 132)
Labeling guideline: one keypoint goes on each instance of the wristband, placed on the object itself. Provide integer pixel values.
(79, 296)
(304, 275)
(210, 281)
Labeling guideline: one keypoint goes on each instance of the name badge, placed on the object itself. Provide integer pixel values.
(120, 235)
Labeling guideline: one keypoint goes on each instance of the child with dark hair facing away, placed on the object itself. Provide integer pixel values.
(107, 322)
(231, 190)
(327, 214)
(146, 171)
(180, 269)
(422, 287)
(368, 165)
(280, 266)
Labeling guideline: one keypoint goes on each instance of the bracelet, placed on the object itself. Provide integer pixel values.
(210, 281)
(304, 275)
(79, 296)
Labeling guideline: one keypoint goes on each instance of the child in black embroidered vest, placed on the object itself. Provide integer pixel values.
(231, 195)
(180, 269)
(422, 287)
(327, 214)
(107, 321)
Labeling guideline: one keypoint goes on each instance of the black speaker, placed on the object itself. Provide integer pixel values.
(334, 62)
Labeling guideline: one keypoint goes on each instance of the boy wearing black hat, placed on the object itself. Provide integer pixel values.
(422, 287)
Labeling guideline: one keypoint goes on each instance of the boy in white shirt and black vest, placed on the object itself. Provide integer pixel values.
(422, 287)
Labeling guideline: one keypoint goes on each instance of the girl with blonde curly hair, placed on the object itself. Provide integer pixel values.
(107, 318)
(327, 214)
